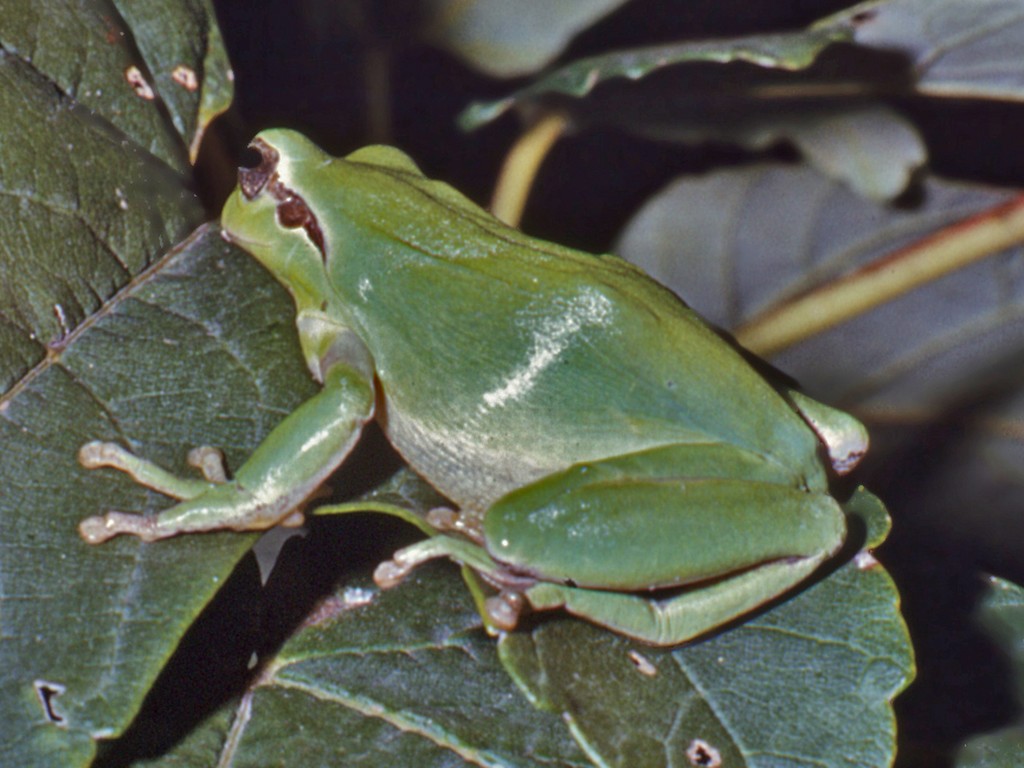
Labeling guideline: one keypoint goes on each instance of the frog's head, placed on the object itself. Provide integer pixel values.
(269, 216)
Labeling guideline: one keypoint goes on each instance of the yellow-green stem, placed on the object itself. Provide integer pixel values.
(520, 167)
(947, 250)
(377, 79)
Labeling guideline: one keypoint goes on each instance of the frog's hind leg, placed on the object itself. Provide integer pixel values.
(391, 572)
(681, 618)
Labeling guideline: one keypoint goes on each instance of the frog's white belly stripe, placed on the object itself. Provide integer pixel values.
(465, 469)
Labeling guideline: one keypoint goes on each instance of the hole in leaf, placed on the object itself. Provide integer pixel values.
(47, 693)
(703, 755)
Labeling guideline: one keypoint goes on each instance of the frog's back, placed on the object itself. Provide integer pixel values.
(503, 358)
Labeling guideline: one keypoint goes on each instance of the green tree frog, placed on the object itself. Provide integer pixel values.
(608, 453)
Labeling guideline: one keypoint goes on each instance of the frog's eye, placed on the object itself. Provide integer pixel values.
(292, 210)
(252, 179)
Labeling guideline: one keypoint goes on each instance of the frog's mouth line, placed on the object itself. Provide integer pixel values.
(292, 210)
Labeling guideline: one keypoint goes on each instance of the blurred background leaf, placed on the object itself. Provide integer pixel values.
(1001, 613)
(955, 49)
(507, 39)
(800, 87)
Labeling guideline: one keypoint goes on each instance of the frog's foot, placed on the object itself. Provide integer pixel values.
(504, 609)
(100, 528)
(212, 503)
(186, 517)
(500, 611)
(446, 519)
(209, 461)
(390, 573)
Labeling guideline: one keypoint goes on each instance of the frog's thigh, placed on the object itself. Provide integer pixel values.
(597, 527)
(681, 618)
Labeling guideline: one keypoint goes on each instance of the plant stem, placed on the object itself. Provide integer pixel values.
(377, 79)
(949, 249)
(520, 167)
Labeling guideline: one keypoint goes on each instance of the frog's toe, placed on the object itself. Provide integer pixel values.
(100, 528)
(504, 609)
(390, 574)
(210, 462)
(101, 454)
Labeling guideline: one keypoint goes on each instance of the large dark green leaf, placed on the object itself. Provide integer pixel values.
(193, 351)
(189, 69)
(96, 188)
(408, 678)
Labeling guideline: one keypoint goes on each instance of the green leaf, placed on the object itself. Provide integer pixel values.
(768, 692)
(1002, 614)
(507, 39)
(415, 661)
(784, 98)
(121, 65)
(96, 189)
(790, 51)
(166, 364)
(190, 70)
(403, 677)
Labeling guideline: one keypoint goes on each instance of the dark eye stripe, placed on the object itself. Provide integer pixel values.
(292, 210)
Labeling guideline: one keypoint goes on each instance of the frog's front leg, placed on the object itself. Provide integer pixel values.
(209, 461)
(295, 458)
